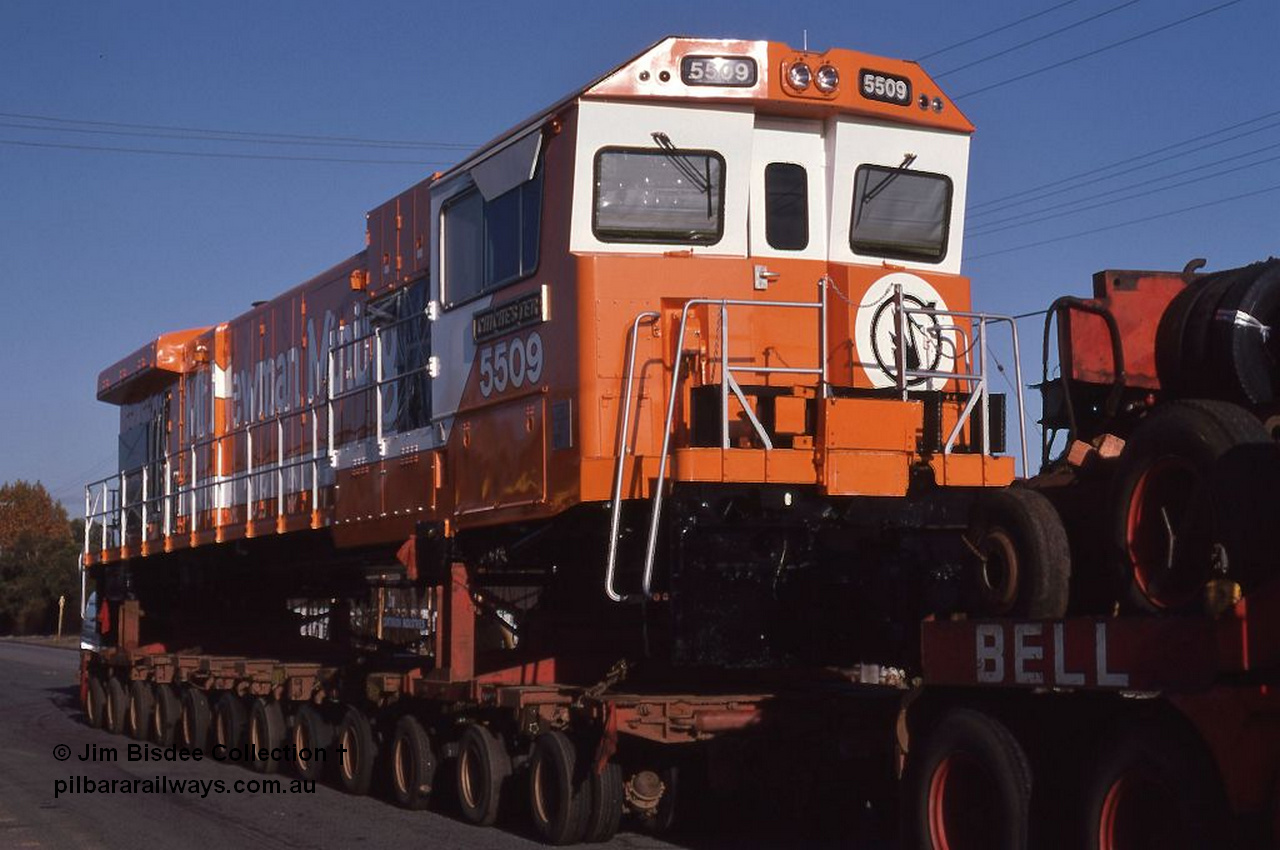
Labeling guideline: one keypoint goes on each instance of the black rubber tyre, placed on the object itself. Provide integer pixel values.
(311, 732)
(117, 705)
(267, 732)
(483, 769)
(357, 751)
(412, 764)
(1149, 787)
(166, 712)
(1023, 563)
(1161, 556)
(559, 793)
(1245, 356)
(141, 706)
(606, 800)
(1169, 334)
(196, 719)
(967, 786)
(95, 706)
(1198, 376)
(230, 723)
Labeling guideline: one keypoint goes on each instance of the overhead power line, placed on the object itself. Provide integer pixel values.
(149, 134)
(1087, 198)
(215, 155)
(998, 29)
(1015, 222)
(342, 141)
(1112, 46)
(1070, 178)
(1129, 223)
(1035, 40)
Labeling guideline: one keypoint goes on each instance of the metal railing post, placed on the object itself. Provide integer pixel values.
(315, 471)
(822, 335)
(106, 509)
(88, 518)
(983, 387)
(900, 344)
(248, 473)
(377, 385)
(724, 374)
(1017, 376)
(124, 515)
(195, 479)
(279, 467)
(143, 536)
(168, 496)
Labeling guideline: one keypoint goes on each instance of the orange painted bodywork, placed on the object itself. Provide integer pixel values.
(535, 451)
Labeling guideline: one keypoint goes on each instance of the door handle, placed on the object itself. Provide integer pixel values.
(763, 277)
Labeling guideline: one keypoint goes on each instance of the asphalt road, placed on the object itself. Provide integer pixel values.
(39, 711)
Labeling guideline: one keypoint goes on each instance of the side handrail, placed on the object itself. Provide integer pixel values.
(726, 378)
(615, 517)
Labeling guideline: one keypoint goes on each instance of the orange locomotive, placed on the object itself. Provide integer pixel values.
(695, 337)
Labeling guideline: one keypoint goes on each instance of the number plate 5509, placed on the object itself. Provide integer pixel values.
(510, 364)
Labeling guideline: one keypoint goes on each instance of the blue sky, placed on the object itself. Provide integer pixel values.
(102, 250)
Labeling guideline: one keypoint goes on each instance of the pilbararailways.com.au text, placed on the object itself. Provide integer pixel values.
(162, 784)
(80, 784)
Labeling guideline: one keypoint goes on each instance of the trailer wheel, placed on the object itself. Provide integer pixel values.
(230, 722)
(117, 706)
(196, 718)
(166, 712)
(559, 795)
(412, 764)
(267, 731)
(1023, 563)
(1162, 557)
(605, 812)
(95, 705)
(357, 750)
(483, 770)
(311, 732)
(1148, 789)
(967, 787)
(141, 704)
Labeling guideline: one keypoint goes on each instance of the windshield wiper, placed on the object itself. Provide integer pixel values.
(701, 182)
(871, 194)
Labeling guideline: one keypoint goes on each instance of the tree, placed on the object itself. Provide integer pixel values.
(38, 560)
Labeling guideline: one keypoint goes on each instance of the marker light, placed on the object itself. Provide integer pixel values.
(937, 104)
(799, 76)
(827, 78)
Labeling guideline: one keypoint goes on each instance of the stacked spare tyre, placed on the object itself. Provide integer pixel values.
(1186, 494)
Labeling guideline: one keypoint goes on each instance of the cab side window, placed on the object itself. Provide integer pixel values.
(486, 245)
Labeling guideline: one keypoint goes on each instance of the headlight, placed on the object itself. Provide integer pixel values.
(827, 78)
(799, 76)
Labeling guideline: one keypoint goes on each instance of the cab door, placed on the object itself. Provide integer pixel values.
(788, 190)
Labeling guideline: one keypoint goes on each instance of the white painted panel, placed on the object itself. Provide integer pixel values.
(852, 143)
(791, 141)
(727, 130)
